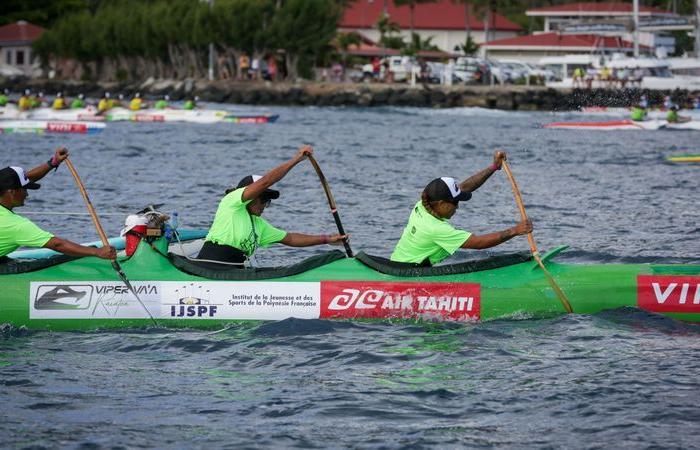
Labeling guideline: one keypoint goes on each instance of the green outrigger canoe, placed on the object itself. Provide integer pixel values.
(63, 293)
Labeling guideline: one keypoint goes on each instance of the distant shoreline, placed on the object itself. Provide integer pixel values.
(306, 93)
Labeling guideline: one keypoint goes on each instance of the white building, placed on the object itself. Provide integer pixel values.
(614, 19)
(16, 45)
(445, 21)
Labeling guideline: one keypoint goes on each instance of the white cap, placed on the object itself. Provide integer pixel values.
(133, 220)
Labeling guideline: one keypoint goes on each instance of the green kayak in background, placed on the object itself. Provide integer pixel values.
(63, 293)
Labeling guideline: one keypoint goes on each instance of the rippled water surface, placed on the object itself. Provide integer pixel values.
(620, 379)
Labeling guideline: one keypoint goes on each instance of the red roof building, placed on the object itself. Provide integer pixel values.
(444, 21)
(16, 44)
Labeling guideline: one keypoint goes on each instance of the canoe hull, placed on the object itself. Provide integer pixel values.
(85, 294)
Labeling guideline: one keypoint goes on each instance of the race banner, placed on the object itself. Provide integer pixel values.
(669, 293)
(375, 299)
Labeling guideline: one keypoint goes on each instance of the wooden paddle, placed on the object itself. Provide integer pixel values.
(103, 236)
(533, 246)
(331, 203)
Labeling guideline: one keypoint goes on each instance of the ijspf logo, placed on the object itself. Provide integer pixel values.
(193, 301)
(193, 310)
(669, 293)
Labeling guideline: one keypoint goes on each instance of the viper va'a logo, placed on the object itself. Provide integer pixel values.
(63, 297)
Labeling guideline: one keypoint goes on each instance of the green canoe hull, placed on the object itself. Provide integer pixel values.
(86, 294)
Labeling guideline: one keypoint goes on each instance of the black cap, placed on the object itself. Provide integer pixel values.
(268, 194)
(447, 189)
(14, 178)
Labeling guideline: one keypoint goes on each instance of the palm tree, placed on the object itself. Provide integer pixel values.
(467, 25)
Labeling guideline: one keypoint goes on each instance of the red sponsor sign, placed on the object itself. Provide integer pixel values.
(66, 127)
(669, 293)
(385, 300)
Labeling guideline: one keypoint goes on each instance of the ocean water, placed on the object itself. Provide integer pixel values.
(619, 379)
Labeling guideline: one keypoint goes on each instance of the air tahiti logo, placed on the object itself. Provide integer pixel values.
(669, 293)
(51, 296)
(454, 301)
(193, 301)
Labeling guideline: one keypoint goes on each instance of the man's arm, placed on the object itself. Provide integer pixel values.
(255, 189)
(40, 172)
(475, 181)
(72, 249)
(307, 240)
(497, 238)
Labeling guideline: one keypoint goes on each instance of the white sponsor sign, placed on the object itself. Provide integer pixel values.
(92, 300)
(175, 300)
(240, 300)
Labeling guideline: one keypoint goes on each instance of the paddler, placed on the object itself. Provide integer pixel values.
(59, 102)
(190, 104)
(238, 229)
(673, 117)
(4, 97)
(37, 101)
(78, 103)
(105, 104)
(429, 238)
(25, 101)
(136, 103)
(17, 231)
(162, 103)
(638, 113)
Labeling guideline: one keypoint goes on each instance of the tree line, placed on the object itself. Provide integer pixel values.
(132, 39)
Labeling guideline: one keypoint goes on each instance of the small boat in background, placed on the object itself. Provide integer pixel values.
(44, 126)
(684, 158)
(625, 124)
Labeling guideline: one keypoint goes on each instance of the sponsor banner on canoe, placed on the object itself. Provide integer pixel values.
(240, 301)
(368, 299)
(93, 300)
(148, 118)
(669, 293)
(174, 300)
(66, 127)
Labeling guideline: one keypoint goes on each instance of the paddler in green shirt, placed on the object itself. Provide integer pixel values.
(162, 103)
(190, 104)
(429, 238)
(638, 113)
(17, 231)
(4, 99)
(673, 117)
(78, 103)
(238, 229)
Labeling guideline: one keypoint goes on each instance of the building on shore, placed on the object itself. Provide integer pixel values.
(445, 21)
(533, 47)
(16, 46)
(615, 19)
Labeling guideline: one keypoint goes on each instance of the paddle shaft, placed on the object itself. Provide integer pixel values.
(103, 236)
(533, 247)
(331, 204)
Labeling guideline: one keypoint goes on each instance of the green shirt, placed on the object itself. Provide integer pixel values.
(161, 104)
(3, 100)
(426, 236)
(189, 104)
(17, 231)
(638, 113)
(235, 226)
(672, 116)
(77, 103)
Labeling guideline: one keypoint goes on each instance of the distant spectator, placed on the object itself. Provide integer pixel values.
(591, 75)
(254, 68)
(637, 76)
(367, 72)
(243, 66)
(272, 68)
(337, 71)
(577, 78)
